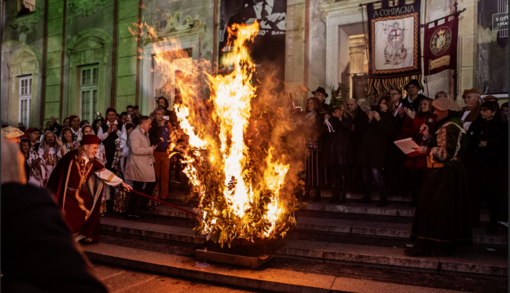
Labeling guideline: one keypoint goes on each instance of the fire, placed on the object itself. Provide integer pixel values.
(244, 191)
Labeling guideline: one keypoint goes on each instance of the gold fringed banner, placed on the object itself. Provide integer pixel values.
(379, 86)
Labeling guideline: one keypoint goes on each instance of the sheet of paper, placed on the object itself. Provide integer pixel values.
(407, 145)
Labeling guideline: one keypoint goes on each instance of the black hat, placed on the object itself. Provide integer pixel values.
(320, 90)
(415, 83)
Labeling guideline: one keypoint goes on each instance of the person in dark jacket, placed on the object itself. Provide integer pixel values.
(373, 148)
(413, 99)
(337, 152)
(487, 141)
(394, 163)
(40, 254)
(313, 125)
(110, 130)
(159, 134)
(359, 120)
(320, 93)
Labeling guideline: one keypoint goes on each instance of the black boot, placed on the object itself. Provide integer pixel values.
(335, 196)
(341, 192)
(383, 200)
(317, 196)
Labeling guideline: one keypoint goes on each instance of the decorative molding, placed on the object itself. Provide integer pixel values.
(24, 23)
(339, 6)
(88, 6)
(171, 25)
(28, 49)
(93, 38)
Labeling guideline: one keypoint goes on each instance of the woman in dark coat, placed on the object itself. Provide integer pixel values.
(487, 140)
(337, 153)
(373, 148)
(442, 217)
(313, 124)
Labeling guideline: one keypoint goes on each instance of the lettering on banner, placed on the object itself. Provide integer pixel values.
(439, 62)
(394, 11)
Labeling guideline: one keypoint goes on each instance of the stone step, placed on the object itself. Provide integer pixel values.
(265, 279)
(329, 251)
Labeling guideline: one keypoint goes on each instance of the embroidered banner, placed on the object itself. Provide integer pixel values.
(394, 34)
(440, 49)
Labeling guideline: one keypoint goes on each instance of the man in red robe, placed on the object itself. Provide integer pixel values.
(78, 192)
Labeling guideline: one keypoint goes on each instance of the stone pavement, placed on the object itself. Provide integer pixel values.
(127, 281)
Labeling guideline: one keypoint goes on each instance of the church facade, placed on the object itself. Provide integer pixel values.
(63, 57)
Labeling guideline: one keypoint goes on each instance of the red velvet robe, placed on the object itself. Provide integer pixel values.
(78, 193)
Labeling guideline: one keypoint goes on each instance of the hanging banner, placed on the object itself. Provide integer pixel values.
(269, 45)
(492, 56)
(394, 35)
(440, 49)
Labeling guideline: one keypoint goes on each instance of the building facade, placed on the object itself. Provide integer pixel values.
(63, 57)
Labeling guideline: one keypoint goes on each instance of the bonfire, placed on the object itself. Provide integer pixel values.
(237, 142)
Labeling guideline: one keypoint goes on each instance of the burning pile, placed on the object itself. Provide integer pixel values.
(237, 144)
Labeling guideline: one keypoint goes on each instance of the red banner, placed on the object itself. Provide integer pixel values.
(440, 48)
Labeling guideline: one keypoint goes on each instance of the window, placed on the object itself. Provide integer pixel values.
(88, 91)
(25, 95)
(26, 7)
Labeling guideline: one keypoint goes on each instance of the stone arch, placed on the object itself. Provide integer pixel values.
(90, 46)
(25, 61)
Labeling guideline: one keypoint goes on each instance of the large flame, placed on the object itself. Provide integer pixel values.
(235, 201)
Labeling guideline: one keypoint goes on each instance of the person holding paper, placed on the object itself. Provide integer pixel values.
(413, 127)
(442, 219)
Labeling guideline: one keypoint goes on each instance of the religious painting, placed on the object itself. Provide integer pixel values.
(394, 35)
(268, 48)
(440, 50)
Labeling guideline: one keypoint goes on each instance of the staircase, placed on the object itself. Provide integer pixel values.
(350, 247)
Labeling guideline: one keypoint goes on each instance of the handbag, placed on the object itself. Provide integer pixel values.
(431, 164)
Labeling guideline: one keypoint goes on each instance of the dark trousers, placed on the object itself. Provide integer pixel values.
(395, 171)
(136, 200)
(483, 183)
(369, 174)
(354, 180)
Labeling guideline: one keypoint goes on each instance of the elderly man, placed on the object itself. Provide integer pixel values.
(413, 99)
(12, 134)
(140, 167)
(320, 93)
(78, 192)
(359, 122)
(472, 99)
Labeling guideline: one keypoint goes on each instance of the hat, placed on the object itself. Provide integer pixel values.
(490, 98)
(471, 91)
(30, 130)
(11, 132)
(414, 82)
(110, 109)
(320, 90)
(90, 139)
(445, 104)
(72, 117)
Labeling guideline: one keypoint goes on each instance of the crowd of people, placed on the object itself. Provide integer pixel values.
(130, 147)
(459, 158)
